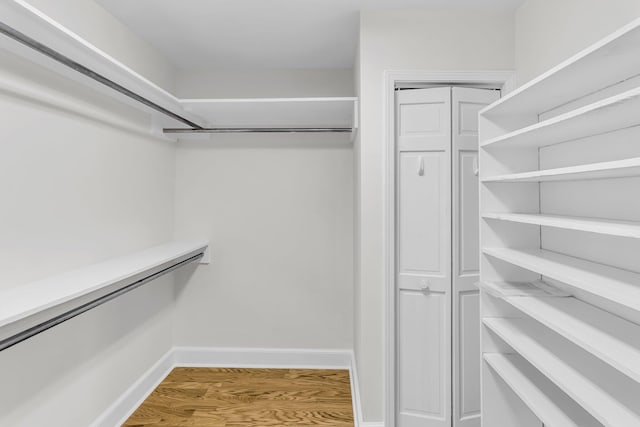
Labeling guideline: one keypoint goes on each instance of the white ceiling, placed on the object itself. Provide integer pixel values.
(262, 33)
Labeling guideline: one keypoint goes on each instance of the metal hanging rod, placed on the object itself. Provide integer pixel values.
(259, 130)
(35, 330)
(65, 60)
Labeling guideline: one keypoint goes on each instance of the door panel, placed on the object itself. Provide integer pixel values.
(423, 353)
(466, 103)
(423, 276)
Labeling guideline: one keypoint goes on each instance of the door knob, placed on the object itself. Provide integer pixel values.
(424, 286)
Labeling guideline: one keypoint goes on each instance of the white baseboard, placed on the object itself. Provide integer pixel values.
(121, 409)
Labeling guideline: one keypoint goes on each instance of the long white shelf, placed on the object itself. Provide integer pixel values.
(609, 283)
(25, 305)
(591, 225)
(550, 404)
(335, 112)
(603, 170)
(32, 22)
(608, 395)
(577, 76)
(617, 112)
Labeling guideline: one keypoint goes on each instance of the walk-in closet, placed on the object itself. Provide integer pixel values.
(367, 213)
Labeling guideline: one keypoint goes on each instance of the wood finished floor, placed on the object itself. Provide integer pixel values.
(199, 397)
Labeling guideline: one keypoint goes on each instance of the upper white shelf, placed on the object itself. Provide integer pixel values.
(550, 404)
(611, 60)
(592, 225)
(616, 112)
(604, 170)
(24, 305)
(608, 395)
(328, 112)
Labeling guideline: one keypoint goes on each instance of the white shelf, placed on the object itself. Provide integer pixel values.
(604, 170)
(591, 225)
(522, 289)
(609, 396)
(550, 404)
(610, 283)
(276, 112)
(578, 76)
(22, 306)
(612, 339)
(617, 112)
(30, 21)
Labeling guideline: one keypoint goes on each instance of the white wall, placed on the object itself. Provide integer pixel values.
(278, 210)
(76, 191)
(548, 32)
(442, 40)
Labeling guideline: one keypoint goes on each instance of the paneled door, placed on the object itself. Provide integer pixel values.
(437, 329)
(465, 105)
(423, 258)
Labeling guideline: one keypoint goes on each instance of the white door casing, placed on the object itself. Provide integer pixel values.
(437, 330)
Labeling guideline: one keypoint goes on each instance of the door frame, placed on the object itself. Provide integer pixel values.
(504, 79)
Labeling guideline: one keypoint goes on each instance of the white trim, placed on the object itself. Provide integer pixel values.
(503, 78)
(133, 397)
(264, 100)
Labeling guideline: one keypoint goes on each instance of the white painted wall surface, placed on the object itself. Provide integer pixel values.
(278, 211)
(548, 32)
(435, 40)
(76, 191)
(91, 22)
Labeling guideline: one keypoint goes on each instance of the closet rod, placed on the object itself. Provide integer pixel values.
(258, 130)
(48, 324)
(57, 56)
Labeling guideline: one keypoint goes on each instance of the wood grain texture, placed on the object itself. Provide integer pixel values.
(199, 397)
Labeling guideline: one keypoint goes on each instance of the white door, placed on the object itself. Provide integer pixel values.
(465, 105)
(423, 209)
(438, 343)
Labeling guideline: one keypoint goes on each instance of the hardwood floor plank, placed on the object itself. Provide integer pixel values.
(227, 397)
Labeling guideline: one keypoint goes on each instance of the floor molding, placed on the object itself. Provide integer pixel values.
(122, 408)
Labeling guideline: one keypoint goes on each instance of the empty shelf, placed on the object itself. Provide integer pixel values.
(545, 399)
(616, 112)
(579, 75)
(612, 339)
(608, 395)
(592, 225)
(610, 283)
(26, 305)
(604, 170)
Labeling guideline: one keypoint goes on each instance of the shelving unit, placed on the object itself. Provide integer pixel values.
(27, 307)
(560, 293)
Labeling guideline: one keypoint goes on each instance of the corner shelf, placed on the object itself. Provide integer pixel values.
(592, 225)
(605, 170)
(616, 112)
(606, 394)
(546, 400)
(30, 304)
